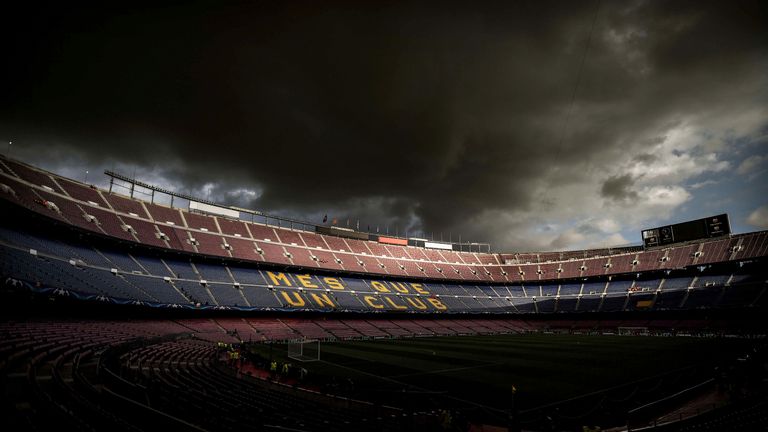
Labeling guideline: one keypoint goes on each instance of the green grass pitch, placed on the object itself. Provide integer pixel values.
(481, 370)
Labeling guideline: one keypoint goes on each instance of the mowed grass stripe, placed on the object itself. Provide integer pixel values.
(587, 355)
(465, 351)
(455, 354)
(578, 347)
(493, 379)
(544, 368)
(389, 362)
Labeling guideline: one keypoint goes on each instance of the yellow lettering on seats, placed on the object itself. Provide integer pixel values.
(333, 283)
(378, 286)
(399, 287)
(322, 300)
(419, 288)
(306, 280)
(372, 302)
(298, 301)
(437, 304)
(276, 278)
(392, 302)
(415, 302)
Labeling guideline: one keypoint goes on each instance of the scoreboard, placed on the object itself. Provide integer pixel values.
(712, 226)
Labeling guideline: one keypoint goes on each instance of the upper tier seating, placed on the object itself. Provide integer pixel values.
(84, 271)
(142, 222)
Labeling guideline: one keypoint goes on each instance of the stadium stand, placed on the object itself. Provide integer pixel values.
(376, 294)
(219, 280)
(418, 262)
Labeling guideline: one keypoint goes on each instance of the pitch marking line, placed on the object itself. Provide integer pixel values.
(368, 373)
(439, 371)
(406, 385)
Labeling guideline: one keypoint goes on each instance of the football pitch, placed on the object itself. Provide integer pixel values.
(482, 370)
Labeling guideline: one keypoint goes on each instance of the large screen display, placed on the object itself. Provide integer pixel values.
(712, 226)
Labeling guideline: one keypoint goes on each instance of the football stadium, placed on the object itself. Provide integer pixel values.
(122, 313)
(386, 216)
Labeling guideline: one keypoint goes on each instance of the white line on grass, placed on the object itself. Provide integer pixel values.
(439, 371)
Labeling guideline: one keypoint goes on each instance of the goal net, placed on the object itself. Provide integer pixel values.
(633, 331)
(304, 350)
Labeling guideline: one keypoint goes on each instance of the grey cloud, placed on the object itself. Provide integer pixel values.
(646, 158)
(619, 188)
(398, 113)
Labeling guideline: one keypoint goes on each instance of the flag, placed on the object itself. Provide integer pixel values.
(325, 218)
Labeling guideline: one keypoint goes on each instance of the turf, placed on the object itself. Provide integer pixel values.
(544, 368)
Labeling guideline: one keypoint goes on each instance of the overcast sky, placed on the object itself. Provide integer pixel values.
(527, 124)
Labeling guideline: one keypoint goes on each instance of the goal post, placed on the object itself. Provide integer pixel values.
(305, 350)
(633, 331)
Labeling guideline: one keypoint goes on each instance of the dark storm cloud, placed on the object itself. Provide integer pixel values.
(421, 115)
(646, 158)
(619, 188)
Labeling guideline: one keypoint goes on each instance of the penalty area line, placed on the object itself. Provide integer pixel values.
(439, 371)
(497, 410)
(371, 374)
